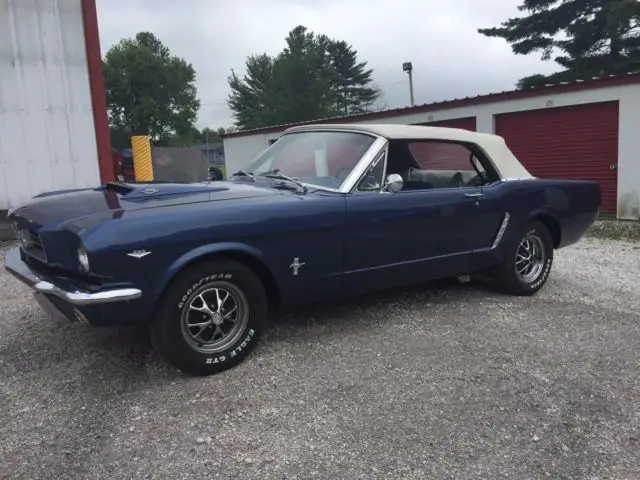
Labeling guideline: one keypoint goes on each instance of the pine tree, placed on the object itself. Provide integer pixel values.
(350, 80)
(593, 37)
(314, 77)
(251, 99)
(303, 78)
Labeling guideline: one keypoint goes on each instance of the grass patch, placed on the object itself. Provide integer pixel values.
(615, 230)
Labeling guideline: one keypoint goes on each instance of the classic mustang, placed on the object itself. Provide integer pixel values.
(327, 211)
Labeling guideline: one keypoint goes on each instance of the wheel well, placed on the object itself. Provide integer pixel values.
(264, 274)
(553, 227)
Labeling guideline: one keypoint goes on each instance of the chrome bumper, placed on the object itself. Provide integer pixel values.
(15, 266)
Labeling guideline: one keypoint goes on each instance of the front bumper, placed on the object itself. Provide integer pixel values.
(45, 290)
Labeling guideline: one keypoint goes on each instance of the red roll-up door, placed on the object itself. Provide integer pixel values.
(575, 143)
(468, 123)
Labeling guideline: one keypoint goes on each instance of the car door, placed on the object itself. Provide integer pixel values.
(450, 165)
(431, 228)
(491, 210)
(394, 239)
(494, 216)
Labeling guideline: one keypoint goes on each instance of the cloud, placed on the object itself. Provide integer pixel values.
(450, 59)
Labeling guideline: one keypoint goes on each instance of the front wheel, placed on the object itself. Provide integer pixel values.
(210, 318)
(528, 261)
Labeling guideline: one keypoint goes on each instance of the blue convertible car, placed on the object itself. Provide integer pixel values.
(327, 211)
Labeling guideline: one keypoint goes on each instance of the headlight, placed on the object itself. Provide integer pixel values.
(83, 259)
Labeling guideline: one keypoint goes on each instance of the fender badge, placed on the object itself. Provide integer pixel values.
(296, 265)
(150, 191)
(139, 253)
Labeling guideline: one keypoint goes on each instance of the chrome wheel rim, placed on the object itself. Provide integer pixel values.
(214, 317)
(530, 258)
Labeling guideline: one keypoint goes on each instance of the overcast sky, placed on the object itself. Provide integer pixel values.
(450, 59)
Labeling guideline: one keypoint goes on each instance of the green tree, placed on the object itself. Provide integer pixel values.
(253, 98)
(351, 80)
(149, 90)
(195, 136)
(313, 77)
(591, 37)
(120, 138)
(301, 81)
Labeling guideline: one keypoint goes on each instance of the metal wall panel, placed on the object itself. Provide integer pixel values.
(574, 143)
(467, 123)
(47, 136)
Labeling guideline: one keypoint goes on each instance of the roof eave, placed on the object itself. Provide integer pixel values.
(595, 82)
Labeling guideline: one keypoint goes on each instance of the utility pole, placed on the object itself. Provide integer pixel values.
(206, 141)
(408, 67)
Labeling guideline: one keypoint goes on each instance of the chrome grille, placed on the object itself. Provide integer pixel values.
(31, 244)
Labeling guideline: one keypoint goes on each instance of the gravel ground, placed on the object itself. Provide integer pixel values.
(442, 381)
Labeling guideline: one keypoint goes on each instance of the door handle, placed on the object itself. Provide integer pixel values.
(474, 195)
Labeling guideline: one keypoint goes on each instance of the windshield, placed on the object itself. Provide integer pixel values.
(323, 159)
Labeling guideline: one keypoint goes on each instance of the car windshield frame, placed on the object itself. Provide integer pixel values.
(347, 183)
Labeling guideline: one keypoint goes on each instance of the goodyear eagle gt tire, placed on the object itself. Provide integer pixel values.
(211, 317)
(528, 261)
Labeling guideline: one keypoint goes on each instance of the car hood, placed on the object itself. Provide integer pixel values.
(63, 208)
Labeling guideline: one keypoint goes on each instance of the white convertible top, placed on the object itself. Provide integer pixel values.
(509, 167)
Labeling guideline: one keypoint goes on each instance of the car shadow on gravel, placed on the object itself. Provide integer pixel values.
(128, 351)
(352, 312)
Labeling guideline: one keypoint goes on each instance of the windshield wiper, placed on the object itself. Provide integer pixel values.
(277, 175)
(243, 174)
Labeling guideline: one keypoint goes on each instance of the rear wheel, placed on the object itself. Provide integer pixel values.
(211, 317)
(528, 261)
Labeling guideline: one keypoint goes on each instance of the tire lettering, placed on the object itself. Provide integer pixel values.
(545, 274)
(244, 343)
(217, 276)
(214, 360)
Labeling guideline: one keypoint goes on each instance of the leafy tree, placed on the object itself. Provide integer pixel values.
(211, 134)
(313, 77)
(593, 37)
(120, 138)
(149, 90)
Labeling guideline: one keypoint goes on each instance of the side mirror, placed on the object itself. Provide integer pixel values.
(393, 183)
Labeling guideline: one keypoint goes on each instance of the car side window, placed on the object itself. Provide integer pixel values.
(439, 164)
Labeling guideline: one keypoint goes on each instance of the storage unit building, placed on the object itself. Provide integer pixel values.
(54, 133)
(584, 130)
(468, 123)
(575, 142)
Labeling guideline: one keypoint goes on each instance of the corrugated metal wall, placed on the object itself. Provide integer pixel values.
(47, 136)
(468, 123)
(573, 143)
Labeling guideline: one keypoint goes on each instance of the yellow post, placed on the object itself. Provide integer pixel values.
(142, 164)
